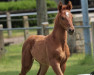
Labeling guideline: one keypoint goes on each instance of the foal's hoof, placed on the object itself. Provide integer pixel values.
(19, 74)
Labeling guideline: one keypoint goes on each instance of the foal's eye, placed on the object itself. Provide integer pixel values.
(62, 18)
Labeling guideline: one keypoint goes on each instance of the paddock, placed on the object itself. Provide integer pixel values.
(11, 44)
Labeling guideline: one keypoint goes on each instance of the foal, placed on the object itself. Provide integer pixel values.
(52, 49)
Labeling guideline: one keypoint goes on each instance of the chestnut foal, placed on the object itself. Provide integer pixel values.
(51, 49)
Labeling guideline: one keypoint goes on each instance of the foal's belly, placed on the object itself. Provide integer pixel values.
(39, 51)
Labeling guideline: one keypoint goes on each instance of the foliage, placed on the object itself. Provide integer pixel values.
(51, 18)
(20, 5)
(51, 4)
(23, 5)
(32, 22)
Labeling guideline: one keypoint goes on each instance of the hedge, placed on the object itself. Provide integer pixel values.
(24, 5)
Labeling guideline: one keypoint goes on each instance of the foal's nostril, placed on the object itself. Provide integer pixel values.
(69, 30)
(73, 30)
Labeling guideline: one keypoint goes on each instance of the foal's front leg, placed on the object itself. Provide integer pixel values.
(56, 67)
(63, 67)
(43, 69)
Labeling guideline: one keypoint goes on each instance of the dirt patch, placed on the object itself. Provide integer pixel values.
(15, 40)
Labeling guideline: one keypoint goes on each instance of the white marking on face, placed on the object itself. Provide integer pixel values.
(67, 14)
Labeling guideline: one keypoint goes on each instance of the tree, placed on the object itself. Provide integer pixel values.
(41, 13)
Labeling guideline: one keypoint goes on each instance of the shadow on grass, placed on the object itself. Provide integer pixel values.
(16, 57)
(9, 73)
(83, 66)
(31, 72)
(70, 70)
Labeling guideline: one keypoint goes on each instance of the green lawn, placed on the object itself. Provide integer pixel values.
(18, 33)
(10, 64)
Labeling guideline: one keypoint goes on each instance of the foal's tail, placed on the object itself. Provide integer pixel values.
(28, 44)
(27, 58)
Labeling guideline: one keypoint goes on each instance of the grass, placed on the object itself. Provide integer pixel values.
(10, 64)
(19, 33)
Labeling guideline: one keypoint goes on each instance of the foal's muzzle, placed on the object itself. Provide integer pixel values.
(71, 31)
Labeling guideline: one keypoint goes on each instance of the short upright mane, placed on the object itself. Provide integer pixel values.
(56, 19)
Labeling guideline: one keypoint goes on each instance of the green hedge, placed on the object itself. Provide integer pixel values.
(17, 24)
(23, 5)
(20, 5)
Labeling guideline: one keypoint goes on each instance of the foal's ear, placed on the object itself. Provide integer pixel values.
(69, 5)
(60, 6)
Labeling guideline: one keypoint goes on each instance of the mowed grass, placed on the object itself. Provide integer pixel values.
(10, 64)
(19, 33)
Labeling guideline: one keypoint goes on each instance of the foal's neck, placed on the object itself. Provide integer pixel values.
(59, 33)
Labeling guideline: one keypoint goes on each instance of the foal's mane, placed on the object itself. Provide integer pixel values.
(56, 19)
(57, 27)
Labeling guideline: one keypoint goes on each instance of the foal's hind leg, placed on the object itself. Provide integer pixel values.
(27, 61)
(43, 69)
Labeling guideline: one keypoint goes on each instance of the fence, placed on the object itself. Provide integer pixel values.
(79, 38)
(9, 65)
(13, 55)
(43, 28)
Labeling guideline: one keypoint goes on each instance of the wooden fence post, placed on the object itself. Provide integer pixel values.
(26, 25)
(92, 26)
(2, 51)
(9, 25)
(45, 30)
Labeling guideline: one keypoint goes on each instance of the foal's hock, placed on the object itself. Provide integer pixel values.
(51, 50)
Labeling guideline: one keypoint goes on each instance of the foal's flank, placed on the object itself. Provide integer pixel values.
(51, 50)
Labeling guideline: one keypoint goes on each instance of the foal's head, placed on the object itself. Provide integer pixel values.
(65, 17)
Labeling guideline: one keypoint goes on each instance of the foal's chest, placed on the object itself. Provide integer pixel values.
(60, 54)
